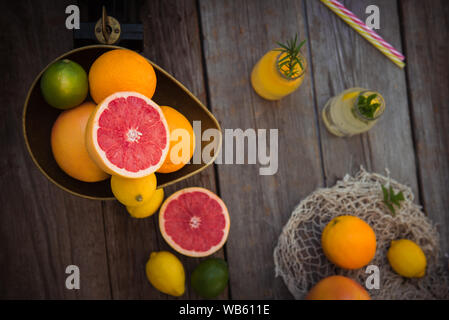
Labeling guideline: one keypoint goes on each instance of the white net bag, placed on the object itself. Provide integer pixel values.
(300, 260)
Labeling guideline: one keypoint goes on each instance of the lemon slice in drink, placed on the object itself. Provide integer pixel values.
(350, 95)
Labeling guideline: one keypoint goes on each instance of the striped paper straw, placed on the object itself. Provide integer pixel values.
(365, 32)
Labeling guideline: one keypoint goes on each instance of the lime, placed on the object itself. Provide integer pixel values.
(64, 84)
(166, 273)
(210, 277)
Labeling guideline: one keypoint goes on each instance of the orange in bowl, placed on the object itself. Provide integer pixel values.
(348, 242)
(182, 141)
(121, 70)
(67, 144)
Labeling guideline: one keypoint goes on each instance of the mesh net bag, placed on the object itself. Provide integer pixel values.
(300, 261)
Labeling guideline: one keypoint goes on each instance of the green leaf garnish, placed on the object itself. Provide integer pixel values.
(391, 199)
(366, 106)
(291, 58)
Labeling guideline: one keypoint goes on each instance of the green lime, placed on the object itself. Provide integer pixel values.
(210, 277)
(64, 84)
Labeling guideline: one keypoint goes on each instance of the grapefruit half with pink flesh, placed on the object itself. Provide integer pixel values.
(194, 222)
(127, 135)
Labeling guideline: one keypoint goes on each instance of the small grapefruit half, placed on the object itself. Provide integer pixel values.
(127, 135)
(194, 222)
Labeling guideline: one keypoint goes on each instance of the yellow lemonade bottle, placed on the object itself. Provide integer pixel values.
(353, 111)
(280, 71)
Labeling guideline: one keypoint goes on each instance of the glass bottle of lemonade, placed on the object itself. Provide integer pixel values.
(280, 71)
(353, 111)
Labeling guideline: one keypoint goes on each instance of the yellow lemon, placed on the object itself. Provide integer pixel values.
(149, 207)
(166, 273)
(133, 192)
(407, 258)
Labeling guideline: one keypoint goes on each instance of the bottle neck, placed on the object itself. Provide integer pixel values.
(361, 114)
(280, 71)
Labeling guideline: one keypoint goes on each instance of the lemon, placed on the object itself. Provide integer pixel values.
(133, 192)
(407, 258)
(166, 273)
(149, 207)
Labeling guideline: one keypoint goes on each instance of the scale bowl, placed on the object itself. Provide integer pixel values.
(38, 119)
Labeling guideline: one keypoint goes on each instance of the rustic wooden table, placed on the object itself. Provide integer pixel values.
(211, 47)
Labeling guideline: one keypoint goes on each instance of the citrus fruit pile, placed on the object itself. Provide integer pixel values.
(194, 222)
(123, 132)
(118, 132)
(350, 243)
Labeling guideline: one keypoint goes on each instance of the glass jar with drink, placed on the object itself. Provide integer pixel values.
(280, 71)
(354, 111)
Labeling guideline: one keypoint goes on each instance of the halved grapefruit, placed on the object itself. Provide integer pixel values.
(127, 135)
(194, 222)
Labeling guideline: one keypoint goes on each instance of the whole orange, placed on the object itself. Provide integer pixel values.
(338, 288)
(349, 242)
(121, 70)
(182, 141)
(67, 144)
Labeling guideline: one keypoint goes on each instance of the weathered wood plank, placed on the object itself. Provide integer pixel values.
(343, 59)
(426, 31)
(180, 43)
(42, 228)
(172, 41)
(236, 34)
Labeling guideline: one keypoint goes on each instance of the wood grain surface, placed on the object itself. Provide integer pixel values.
(426, 34)
(42, 228)
(236, 34)
(342, 59)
